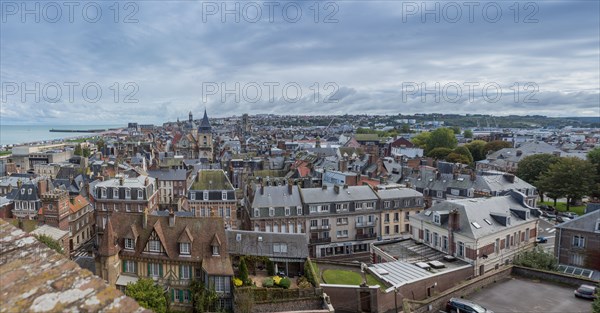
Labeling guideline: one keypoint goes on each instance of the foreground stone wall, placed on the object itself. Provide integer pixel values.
(35, 278)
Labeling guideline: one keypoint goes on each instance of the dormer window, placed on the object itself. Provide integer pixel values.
(508, 220)
(271, 211)
(103, 193)
(184, 248)
(597, 229)
(154, 246)
(23, 191)
(436, 219)
(127, 193)
(256, 212)
(115, 193)
(29, 191)
(192, 196)
(140, 194)
(215, 250)
(129, 244)
(205, 195)
(224, 195)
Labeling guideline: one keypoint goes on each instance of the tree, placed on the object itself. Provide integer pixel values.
(596, 304)
(148, 295)
(477, 149)
(78, 150)
(455, 129)
(244, 272)
(464, 152)
(441, 138)
(203, 299)
(533, 166)
(421, 139)
(270, 268)
(594, 157)
(467, 133)
(537, 258)
(439, 153)
(496, 145)
(569, 177)
(405, 129)
(457, 158)
(51, 243)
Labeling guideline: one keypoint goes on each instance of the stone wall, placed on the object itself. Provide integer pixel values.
(573, 281)
(307, 305)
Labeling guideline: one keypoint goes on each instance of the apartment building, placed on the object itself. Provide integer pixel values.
(172, 184)
(577, 242)
(486, 232)
(277, 209)
(397, 205)
(211, 194)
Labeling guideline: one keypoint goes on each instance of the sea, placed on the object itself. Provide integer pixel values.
(21, 134)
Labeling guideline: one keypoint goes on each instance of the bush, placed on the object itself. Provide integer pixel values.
(237, 282)
(537, 258)
(270, 268)
(303, 283)
(268, 282)
(276, 279)
(309, 273)
(285, 283)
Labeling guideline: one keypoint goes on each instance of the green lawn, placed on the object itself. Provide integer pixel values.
(80, 140)
(5, 152)
(562, 207)
(341, 277)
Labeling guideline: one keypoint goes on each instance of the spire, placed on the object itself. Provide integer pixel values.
(205, 124)
(108, 245)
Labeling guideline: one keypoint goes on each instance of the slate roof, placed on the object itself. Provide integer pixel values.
(395, 193)
(52, 232)
(241, 242)
(478, 209)
(27, 192)
(586, 222)
(204, 124)
(202, 230)
(276, 196)
(352, 193)
(168, 174)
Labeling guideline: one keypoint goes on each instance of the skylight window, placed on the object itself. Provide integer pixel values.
(476, 225)
(427, 213)
(487, 221)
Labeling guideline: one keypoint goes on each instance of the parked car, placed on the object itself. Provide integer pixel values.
(542, 239)
(543, 207)
(549, 216)
(562, 219)
(570, 215)
(586, 292)
(456, 305)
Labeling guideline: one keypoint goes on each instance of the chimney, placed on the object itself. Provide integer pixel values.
(145, 218)
(345, 186)
(453, 220)
(336, 188)
(343, 165)
(146, 181)
(290, 187)
(19, 184)
(454, 175)
(509, 177)
(473, 176)
(121, 180)
(171, 218)
(519, 152)
(438, 175)
(42, 187)
(71, 179)
(324, 187)
(262, 189)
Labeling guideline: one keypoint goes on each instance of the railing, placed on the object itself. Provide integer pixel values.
(320, 240)
(365, 224)
(320, 227)
(366, 236)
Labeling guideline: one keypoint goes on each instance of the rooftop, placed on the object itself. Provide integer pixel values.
(211, 180)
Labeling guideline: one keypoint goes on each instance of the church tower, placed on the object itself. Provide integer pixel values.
(190, 118)
(205, 142)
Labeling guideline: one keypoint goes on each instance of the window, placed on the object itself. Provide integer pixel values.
(342, 233)
(103, 192)
(287, 211)
(314, 223)
(427, 239)
(202, 211)
(323, 208)
(186, 296)
(154, 269)
(184, 248)
(527, 234)
(129, 244)
(185, 272)
(370, 205)
(325, 222)
(577, 259)
(387, 230)
(386, 204)
(228, 212)
(397, 203)
(508, 220)
(487, 221)
(223, 195)
(440, 194)
(597, 229)
(129, 266)
(215, 250)
(437, 219)
(397, 216)
(507, 242)
(444, 243)
(280, 247)
(396, 229)
(154, 246)
(271, 211)
(476, 225)
(177, 295)
(127, 207)
(192, 196)
(386, 218)
(313, 209)
(127, 193)
(219, 284)
(436, 239)
(461, 249)
(140, 194)
(578, 241)
(205, 195)
(299, 210)
(256, 212)
(221, 212)
(341, 207)
(115, 193)
(342, 220)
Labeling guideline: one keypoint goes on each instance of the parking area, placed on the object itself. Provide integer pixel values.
(522, 295)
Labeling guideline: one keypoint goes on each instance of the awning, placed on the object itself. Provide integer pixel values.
(289, 260)
(123, 280)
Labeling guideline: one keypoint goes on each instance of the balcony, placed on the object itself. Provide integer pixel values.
(319, 227)
(366, 236)
(365, 224)
(320, 240)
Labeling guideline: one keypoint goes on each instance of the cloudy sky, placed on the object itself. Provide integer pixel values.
(378, 57)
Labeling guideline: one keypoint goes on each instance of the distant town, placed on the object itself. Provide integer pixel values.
(273, 213)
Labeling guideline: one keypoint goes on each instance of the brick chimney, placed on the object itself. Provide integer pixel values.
(336, 188)
(171, 218)
(145, 218)
(453, 225)
(262, 189)
(290, 187)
